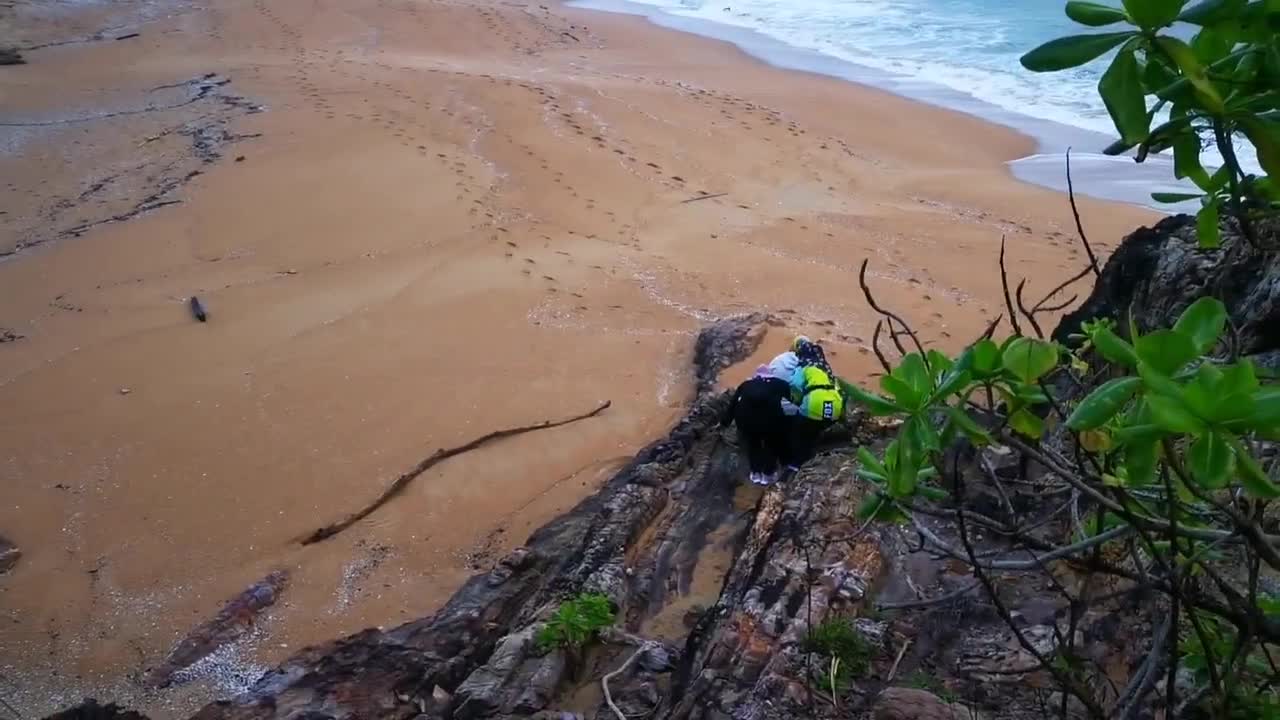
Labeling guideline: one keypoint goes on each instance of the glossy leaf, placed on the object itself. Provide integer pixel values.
(1207, 230)
(1203, 321)
(1172, 416)
(951, 383)
(1114, 348)
(1251, 474)
(1239, 377)
(1103, 403)
(1170, 198)
(1266, 409)
(1122, 92)
(902, 392)
(985, 358)
(1166, 351)
(1030, 359)
(876, 405)
(1265, 137)
(1140, 461)
(1185, 58)
(870, 461)
(1072, 51)
(1094, 14)
(913, 371)
(1210, 45)
(1027, 423)
(976, 433)
(1211, 461)
(1210, 11)
(1153, 14)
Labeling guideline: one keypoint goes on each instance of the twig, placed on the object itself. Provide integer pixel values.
(403, 481)
(896, 661)
(1075, 212)
(871, 300)
(940, 600)
(1004, 285)
(1029, 314)
(875, 347)
(703, 197)
(604, 681)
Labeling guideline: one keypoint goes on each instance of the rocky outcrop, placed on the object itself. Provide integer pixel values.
(11, 56)
(9, 555)
(1157, 272)
(912, 704)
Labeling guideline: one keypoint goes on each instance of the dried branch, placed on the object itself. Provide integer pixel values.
(403, 481)
(1075, 212)
(1004, 285)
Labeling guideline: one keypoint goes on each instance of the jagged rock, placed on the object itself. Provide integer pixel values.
(910, 704)
(91, 710)
(9, 555)
(11, 56)
(1157, 272)
(724, 343)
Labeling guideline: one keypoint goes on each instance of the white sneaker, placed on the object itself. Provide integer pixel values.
(767, 480)
(755, 478)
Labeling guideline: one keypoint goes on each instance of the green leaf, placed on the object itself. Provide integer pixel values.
(1265, 137)
(1210, 45)
(903, 475)
(1170, 198)
(1137, 433)
(1121, 91)
(1103, 403)
(1094, 14)
(1113, 348)
(1140, 459)
(1152, 14)
(1172, 416)
(869, 506)
(870, 461)
(938, 363)
(1210, 11)
(1239, 377)
(1203, 321)
(1186, 152)
(1166, 351)
(1211, 461)
(985, 358)
(876, 405)
(1251, 474)
(1207, 230)
(1266, 409)
(1030, 359)
(902, 392)
(1071, 51)
(915, 373)
(972, 430)
(1027, 423)
(1185, 58)
(951, 384)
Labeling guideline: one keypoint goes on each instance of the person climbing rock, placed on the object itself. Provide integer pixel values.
(757, 408)
(816, 403)
(810, 354)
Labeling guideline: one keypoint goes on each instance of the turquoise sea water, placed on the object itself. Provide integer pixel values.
(961, 54)
(968, 46)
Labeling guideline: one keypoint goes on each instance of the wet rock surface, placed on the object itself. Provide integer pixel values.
(9, 555)
(1157, 272)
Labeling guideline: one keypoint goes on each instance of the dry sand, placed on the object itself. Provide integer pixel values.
(450, 217)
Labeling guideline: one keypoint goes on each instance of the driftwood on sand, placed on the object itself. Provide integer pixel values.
(403, 481)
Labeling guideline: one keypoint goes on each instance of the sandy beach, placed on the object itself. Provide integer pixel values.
(412, 222)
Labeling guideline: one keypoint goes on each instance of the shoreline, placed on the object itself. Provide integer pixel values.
(1095, 175)
(450, 218)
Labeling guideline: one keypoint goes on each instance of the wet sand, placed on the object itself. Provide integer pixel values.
(412, 223)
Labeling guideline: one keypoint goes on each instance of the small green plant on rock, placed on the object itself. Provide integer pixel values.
(921, 680)
(847, 654)
(576, 622)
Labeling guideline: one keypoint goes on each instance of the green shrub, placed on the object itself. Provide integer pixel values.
(838, 639)
(576, 622)
(1217, 86)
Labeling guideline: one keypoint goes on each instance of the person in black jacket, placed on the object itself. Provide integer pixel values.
(762, 425)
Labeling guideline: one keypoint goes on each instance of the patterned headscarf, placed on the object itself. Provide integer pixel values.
(811, 355)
